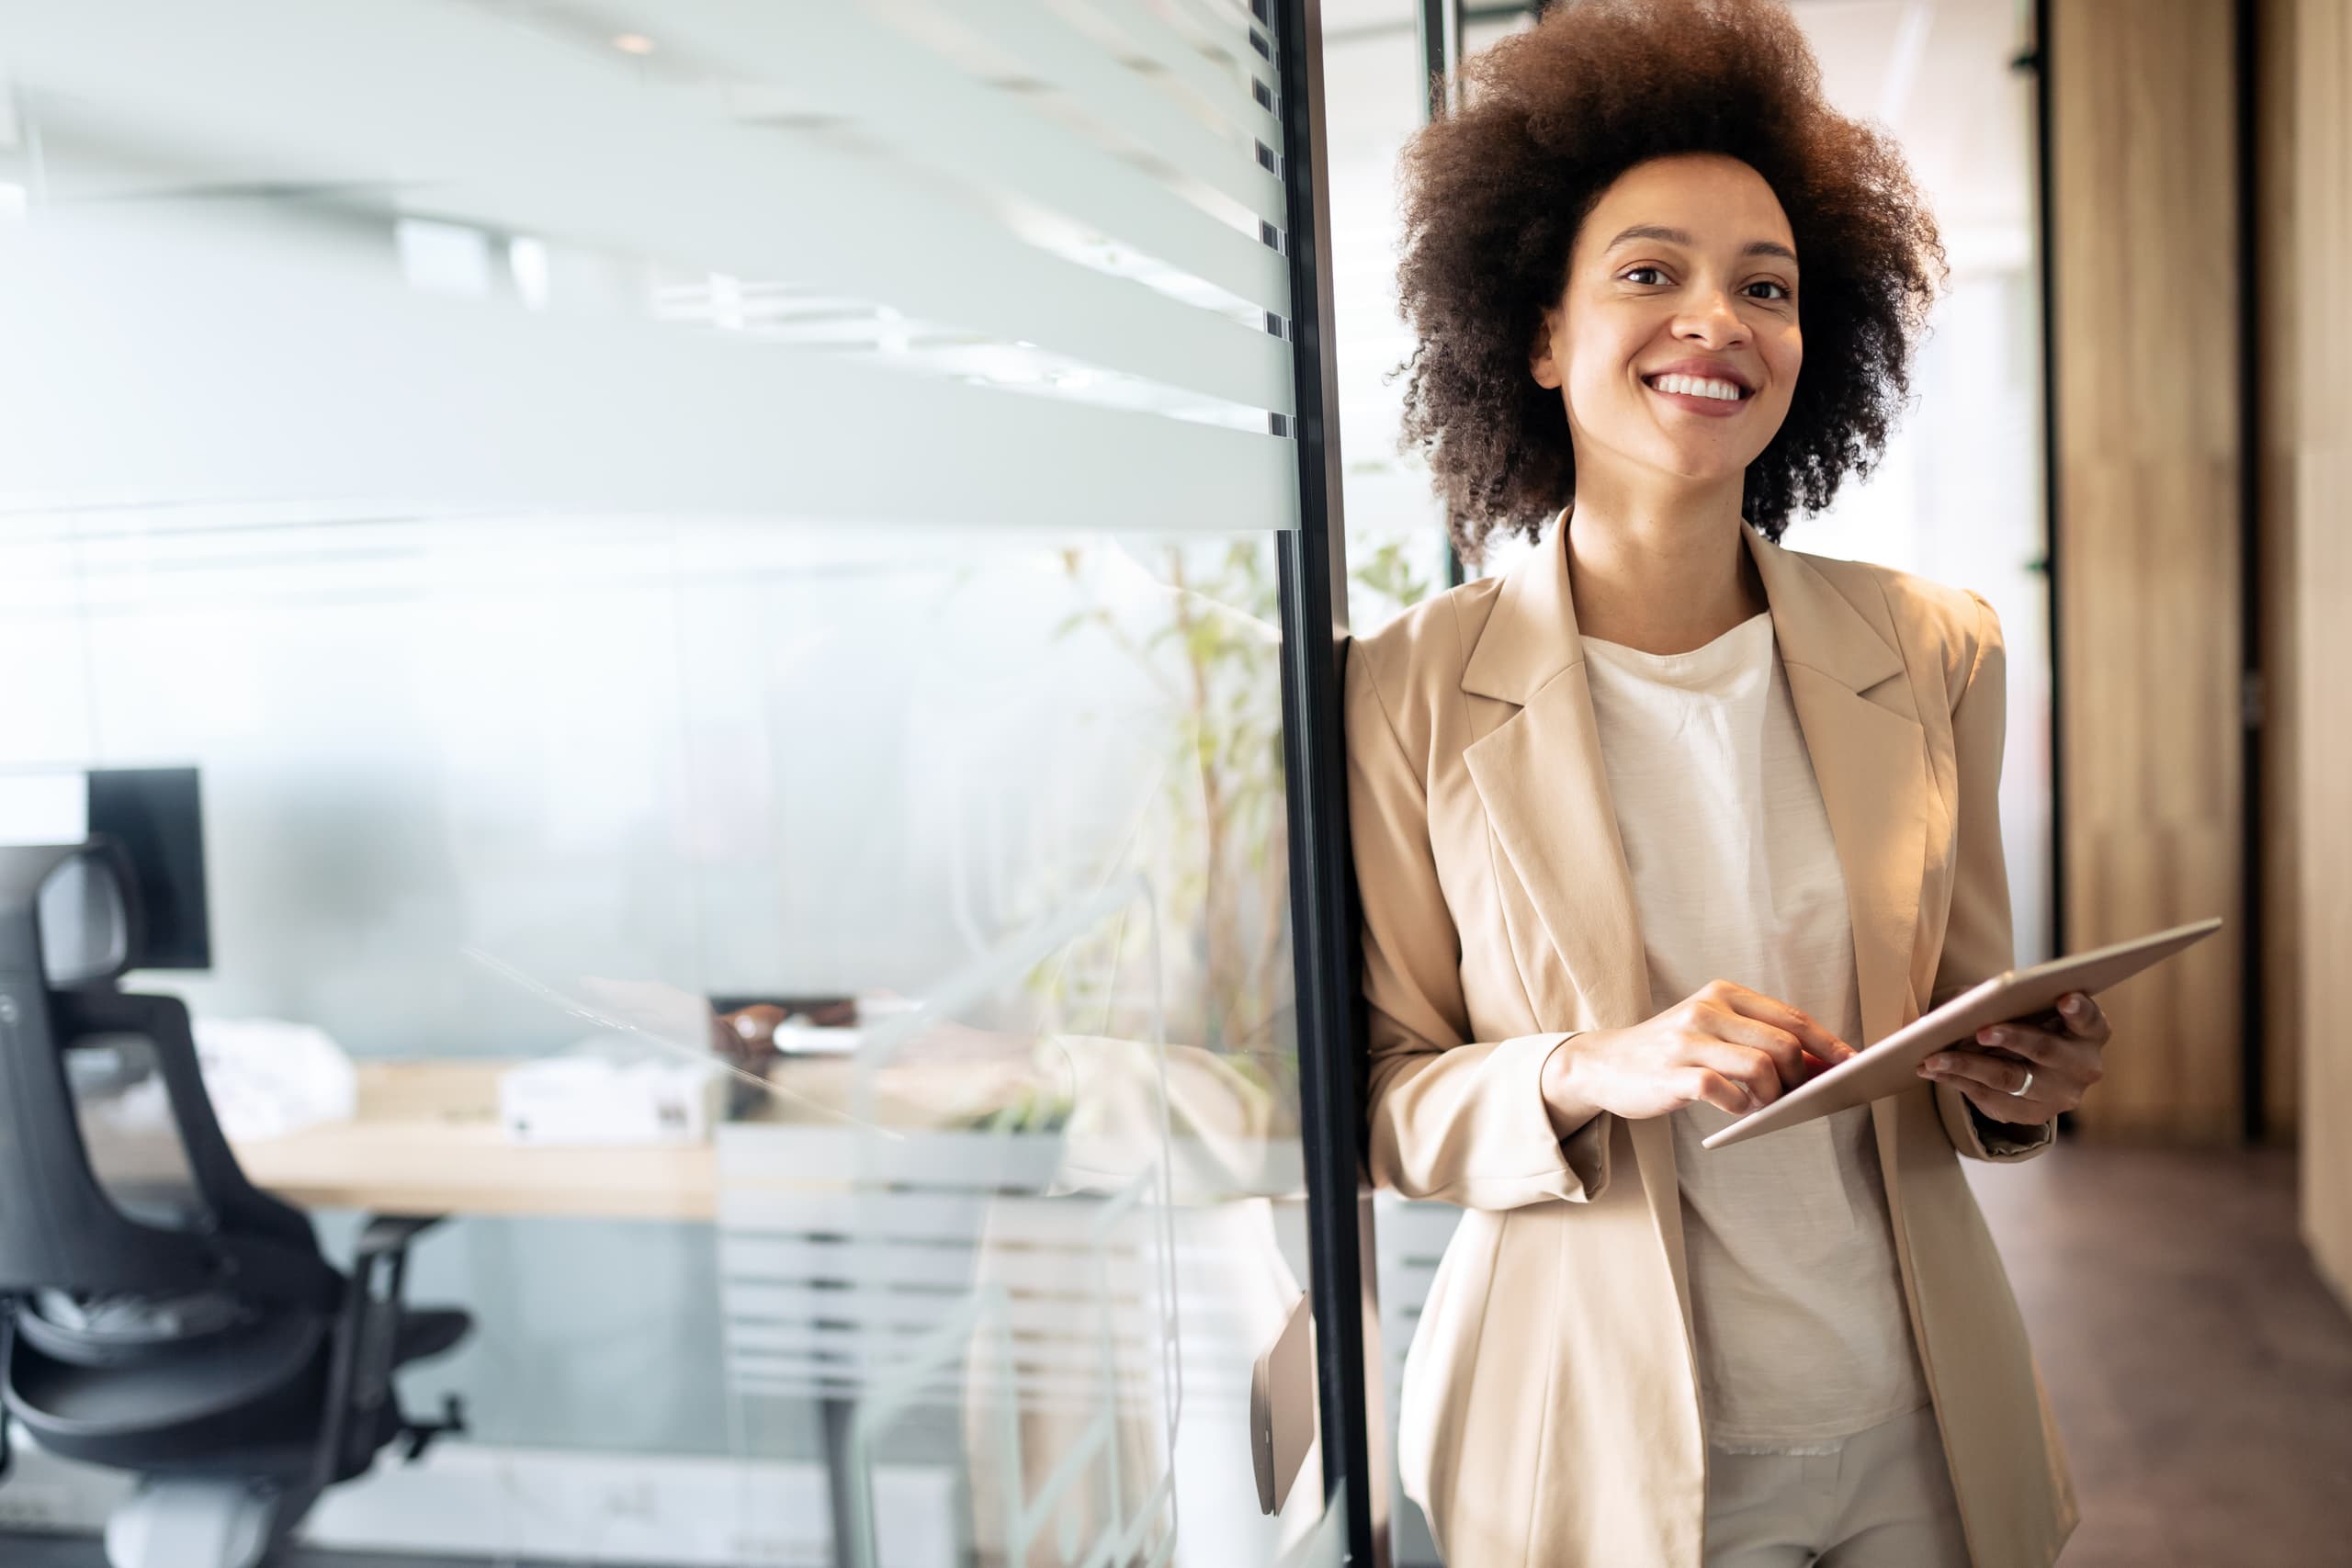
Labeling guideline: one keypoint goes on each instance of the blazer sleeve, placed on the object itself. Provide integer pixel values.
(1978, 944)
(1449, 1119)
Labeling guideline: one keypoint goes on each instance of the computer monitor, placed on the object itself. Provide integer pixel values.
(155, 814)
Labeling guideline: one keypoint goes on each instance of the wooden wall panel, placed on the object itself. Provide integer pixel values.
(2145, 314)
(2278, 334)
(2318, 343)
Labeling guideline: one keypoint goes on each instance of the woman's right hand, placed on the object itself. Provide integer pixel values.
(1737, 1049)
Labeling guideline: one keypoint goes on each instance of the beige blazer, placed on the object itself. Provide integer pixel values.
(1550, 1413)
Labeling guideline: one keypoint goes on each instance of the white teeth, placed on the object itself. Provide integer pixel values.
(1696, 387)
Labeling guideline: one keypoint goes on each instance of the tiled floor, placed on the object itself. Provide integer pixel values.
(2203, 1374)
(2200, 1371)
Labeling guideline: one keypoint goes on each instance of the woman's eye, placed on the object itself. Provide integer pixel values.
(1656, 275)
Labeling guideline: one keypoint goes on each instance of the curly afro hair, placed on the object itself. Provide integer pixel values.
(1495, 191)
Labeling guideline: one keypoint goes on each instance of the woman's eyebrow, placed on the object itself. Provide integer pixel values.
(1682, 237)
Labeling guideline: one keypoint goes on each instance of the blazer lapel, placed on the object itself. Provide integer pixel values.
(1540, 776)
(1870, 758)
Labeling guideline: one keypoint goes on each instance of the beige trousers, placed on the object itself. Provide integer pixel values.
(1881, 1498)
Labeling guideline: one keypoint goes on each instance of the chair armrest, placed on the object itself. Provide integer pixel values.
(7, 1363)
(359, 1376)
(387, 1234)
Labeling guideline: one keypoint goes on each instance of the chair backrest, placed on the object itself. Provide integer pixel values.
(58, 1229)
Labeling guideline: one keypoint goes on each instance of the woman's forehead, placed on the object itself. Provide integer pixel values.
(1702, 202)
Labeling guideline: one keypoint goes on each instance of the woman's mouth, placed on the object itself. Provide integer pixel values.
(1701, 394)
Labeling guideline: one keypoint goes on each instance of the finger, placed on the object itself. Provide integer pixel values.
(1781, 1016)
(1999, 1105)
(1966, 1068)
(2084, 1017)
(2056, 1057)
(1814, 1066)
(1781, 1050)
(2037, 1045)
(1719, 1091)
(1754, 1071)
(2069, 1015)
(2029, 1111)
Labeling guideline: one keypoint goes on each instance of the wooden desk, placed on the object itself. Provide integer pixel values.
(427, 1140)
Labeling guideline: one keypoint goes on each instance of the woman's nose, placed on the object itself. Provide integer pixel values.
(1711, 321)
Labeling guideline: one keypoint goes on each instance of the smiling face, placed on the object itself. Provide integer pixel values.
(1675, 341)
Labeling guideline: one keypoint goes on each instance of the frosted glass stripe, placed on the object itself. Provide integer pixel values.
(749, 1151)
(212, 381)
(427, 99)
(875, 1264)
(943, 1215)
(1069, 1365)
(1060, 1313)
(860, 1350)
(932, 112)
(1229, 25)
(1044, 1392)
(1116, 94)
(1226, 88)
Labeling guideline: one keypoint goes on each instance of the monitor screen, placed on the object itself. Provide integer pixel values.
(156, 814)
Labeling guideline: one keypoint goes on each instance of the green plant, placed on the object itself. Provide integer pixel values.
(1224, 859)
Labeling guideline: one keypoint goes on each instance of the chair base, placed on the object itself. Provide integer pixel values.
(197, 1522)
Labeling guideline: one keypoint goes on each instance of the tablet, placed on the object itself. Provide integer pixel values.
(1891, 1066)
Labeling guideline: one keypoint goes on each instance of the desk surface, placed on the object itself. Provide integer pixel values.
(427, 1140)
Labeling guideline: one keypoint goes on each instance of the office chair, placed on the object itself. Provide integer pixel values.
(222, 1358)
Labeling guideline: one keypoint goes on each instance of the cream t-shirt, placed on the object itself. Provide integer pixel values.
(1796, 1293)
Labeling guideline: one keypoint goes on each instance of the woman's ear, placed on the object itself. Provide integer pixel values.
(1543, 360)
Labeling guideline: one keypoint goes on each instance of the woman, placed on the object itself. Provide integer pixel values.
(1667, 817)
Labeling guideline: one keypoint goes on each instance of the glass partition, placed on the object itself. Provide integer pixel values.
(718, 571)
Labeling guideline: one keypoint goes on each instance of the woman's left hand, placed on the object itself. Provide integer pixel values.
(2053, 1056)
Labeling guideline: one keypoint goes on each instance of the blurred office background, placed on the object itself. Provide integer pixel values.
(638, 507)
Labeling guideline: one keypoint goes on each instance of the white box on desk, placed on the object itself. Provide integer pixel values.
(608, 1091)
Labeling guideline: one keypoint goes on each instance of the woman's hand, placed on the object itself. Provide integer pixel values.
(1732, 1048)
(2059, 1049)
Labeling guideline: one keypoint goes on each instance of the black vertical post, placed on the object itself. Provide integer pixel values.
(2052, 556)
(1312, 563)
(1441, 51)
(2038, 64)
(2253, 695)
(1440, 57)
